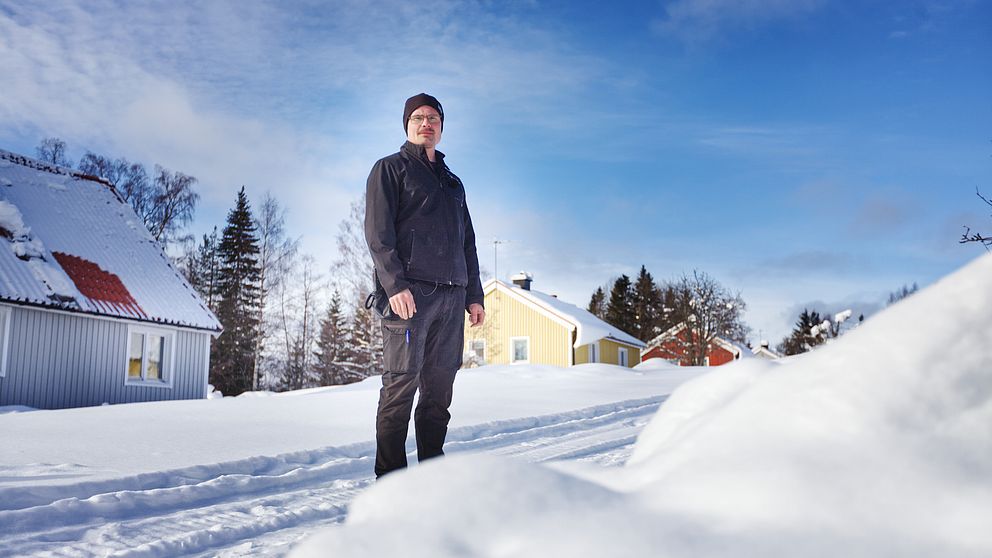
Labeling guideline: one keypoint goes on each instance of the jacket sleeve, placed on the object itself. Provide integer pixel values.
(473, 291)
(382, 197)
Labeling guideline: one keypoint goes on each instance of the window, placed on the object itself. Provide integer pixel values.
(593, 350)
(4, 338)
(520, 349)
(622, 356)
(479, 350)
(149, 356)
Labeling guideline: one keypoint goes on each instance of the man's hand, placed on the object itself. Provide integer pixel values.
(476, 314)
(402, 303)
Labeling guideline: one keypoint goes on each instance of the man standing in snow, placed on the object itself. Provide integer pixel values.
(420, 234)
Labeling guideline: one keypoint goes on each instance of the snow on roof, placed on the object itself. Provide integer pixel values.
(69, 242)
(588, 328)
(764, 351)
(737, 349)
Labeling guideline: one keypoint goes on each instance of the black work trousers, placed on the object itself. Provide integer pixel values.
(422, 353)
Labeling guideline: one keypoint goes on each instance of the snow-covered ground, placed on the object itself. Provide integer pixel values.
(879, 444)
(252, 475)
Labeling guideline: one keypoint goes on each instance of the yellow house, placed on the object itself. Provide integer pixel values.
(526, 326)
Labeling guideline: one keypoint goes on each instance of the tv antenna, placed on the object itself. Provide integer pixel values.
(496, 243)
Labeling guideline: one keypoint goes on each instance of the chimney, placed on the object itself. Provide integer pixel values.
(522, 280)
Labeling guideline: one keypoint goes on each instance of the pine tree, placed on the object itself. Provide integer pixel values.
(902, 293)
(232, 362)
(647, 306)
(363, 352)
(597, 304)
(667, 315)
(620, 308)
(331, 346)
(201, 268)
(802, 339)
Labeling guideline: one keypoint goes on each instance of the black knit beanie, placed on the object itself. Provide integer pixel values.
(417, 101)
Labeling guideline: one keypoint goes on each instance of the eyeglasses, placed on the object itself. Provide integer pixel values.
(418, 119)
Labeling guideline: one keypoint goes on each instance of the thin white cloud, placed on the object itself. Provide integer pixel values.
(274, 96)
(700, 21)
(881, 214)
(779, 141)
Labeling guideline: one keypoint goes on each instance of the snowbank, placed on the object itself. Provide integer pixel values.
(142, 445)
(877, 445)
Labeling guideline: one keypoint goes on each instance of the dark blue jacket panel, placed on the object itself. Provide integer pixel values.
(417, 224)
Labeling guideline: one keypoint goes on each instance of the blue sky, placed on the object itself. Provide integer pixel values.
(803, 152)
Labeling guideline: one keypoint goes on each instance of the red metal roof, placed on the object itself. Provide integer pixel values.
(105, 289)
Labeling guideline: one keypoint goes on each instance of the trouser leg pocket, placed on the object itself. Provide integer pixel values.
(399, 348)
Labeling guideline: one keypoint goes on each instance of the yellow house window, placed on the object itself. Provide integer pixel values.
(478, 349)
(593, 352)
(622, 356)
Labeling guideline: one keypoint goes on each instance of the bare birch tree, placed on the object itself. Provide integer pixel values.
(276, 256)
(53, 150)
(298, 308)
(174, 204)
(352, 273)
(707, 310)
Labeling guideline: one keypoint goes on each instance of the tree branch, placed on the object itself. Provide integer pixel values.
(969, 236)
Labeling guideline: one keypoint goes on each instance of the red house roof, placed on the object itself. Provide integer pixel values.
(102, 287)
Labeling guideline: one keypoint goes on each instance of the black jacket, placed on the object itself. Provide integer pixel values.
(417, 224)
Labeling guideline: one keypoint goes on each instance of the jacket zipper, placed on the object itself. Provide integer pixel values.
(440, 185)
(413, 241)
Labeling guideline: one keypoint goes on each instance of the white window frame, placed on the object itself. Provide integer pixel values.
(623, 358)
(169, 356)
(5, 315)
(471, 348)
(594, 351)
(513, 352)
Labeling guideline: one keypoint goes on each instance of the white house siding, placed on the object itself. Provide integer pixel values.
(58, 360)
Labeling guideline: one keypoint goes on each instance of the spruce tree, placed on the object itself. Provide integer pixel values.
(904, 292)
(668, 316)
(232, 360)
(597, 304)
(363, 351)
(202, 266)
(331, 346)
(647, 306)
(620, 308)
(801, 339)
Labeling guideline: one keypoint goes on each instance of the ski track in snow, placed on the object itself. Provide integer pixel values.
(263, 505)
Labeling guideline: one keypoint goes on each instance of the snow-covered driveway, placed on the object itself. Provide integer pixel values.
(262, 505)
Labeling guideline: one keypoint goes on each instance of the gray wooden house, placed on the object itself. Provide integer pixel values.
(91, 309)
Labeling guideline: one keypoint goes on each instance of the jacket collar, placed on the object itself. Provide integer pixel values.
(420, 152)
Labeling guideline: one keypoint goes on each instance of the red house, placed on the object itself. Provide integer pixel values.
(671, 347)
